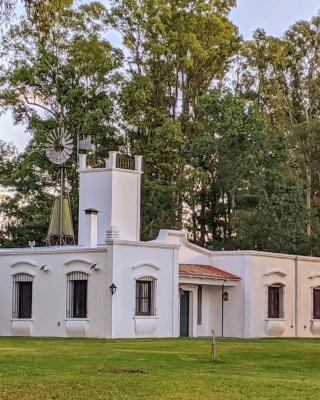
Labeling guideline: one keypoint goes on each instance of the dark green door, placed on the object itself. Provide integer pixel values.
(184, 314)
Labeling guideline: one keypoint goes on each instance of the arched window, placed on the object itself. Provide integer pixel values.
(316, 303)
(22, 296)
(275, 301)
(145, 295)
(77, 290)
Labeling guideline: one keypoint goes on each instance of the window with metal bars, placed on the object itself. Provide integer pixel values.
(77, 293)
(275, 301)
(22, 296)
(145, 296)
(316, 303)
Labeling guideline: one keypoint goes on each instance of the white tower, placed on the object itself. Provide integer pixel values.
(114, 191)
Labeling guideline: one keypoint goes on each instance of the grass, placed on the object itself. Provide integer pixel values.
(32, 368)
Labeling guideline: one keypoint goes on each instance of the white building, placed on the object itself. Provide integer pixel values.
(114, 286)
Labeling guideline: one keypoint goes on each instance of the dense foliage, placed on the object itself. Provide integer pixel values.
(229, 129)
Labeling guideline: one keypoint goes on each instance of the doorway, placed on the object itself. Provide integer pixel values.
(184, 314)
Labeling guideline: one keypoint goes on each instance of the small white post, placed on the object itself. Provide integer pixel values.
(213, 347)
(82, 161)
(138, 163)
(113, 159)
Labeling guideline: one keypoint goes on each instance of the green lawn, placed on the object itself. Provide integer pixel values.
(158, 369)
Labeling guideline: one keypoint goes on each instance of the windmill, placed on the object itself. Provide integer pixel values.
(58, 150)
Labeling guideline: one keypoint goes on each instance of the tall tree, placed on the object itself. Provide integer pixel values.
(41, 12)
(176, 50)
(282, 77)
(70, 78)
(226, 158)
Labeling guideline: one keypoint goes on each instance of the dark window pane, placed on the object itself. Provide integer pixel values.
(274, 302)
(79, 299)
(77, 287)
(316, 303)
(25, 299)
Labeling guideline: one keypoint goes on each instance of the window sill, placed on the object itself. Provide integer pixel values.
(275, 319)
(145, 317)
(77, 319)
(23, 319)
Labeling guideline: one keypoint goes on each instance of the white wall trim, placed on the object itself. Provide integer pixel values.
(278, 272)
(314, 276)
(145, 275)
(145, 265)
(52, 250)
(77, 261)
(23, 271)
(105, 169)
(275, 282)
(24, 263)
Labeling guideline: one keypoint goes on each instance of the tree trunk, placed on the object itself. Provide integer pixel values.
(308, 195)
(202, 221)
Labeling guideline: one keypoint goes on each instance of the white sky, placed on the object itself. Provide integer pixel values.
(275, 16)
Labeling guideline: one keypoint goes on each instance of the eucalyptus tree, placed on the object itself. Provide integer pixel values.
(41, 12)
(282, 76)
(175, 50)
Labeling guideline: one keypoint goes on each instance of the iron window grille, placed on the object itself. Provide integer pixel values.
(77, 293)
(316, 303)
(275, 301)
(145, 296)
(22, 296)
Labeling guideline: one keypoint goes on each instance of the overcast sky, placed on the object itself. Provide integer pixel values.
(275, 16)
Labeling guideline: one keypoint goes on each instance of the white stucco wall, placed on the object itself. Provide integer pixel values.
(268, 270)
(134, 260)
(308, 277)
(115, 193)
(49, 290)
(121, 262)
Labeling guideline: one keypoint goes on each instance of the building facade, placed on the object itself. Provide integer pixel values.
(112, 285)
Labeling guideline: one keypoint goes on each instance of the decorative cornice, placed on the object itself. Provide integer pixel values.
(143, 244)
(148, 265)
(23, 263)
(314, 276)
(77, 261)
(278, 272)
(92, 170)
(52, 250)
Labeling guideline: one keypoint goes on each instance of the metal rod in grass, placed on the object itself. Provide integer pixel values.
(213, 347)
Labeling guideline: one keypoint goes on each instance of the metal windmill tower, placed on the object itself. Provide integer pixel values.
(58, 149)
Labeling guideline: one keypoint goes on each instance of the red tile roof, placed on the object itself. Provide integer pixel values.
(205, 272)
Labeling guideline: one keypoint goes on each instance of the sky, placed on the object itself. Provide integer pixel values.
(275, 16)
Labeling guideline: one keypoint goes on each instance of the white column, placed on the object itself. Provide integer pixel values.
(82, 161)
(113, 159)
(138, 163)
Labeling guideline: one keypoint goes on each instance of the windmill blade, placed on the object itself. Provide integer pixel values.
(59, 146)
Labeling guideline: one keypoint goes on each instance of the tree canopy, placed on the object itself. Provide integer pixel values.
(229, 129)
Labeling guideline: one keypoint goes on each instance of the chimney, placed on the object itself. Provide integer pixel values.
(90, 236)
